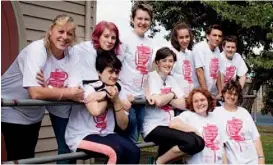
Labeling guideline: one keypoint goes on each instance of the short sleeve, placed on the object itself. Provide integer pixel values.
(184, 117)
(123, 51)
(242, 68)
(87, 58)
(32, 62)
(222, 64)
(252, 127)
(76, 74)
(87, 90)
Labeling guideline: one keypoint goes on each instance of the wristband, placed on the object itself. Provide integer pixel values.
(260, 157)
(119, 109)
(174, 95)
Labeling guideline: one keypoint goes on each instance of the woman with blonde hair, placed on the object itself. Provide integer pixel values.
(53, 56)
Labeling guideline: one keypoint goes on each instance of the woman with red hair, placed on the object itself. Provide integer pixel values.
(200, 120)
(105, 37)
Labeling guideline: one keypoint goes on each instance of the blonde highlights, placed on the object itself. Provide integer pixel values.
(60, 20)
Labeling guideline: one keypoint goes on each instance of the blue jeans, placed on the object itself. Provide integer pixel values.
(59, 126)
(136, 118)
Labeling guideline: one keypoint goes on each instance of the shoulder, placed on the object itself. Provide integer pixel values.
(187, 114)
(153, 74)
(200, 44)
(35, 50)
(84, 46)
(172, 80)
(36, 45)
(222, 55)
(243, 110)
(237, 56)
(218, 110)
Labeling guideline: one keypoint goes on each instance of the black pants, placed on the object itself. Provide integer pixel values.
(127, 152)
(20, 140)
(166, 138)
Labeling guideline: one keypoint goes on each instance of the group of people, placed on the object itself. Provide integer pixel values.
(107, 74)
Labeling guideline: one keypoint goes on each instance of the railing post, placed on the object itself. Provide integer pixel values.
(255, 106)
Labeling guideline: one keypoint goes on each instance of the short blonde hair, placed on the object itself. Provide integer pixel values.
(59, 20)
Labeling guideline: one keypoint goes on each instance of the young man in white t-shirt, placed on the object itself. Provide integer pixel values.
(136, 61)
(206, 60)
(232, 65)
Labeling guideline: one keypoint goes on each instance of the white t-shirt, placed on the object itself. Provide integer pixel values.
(230, 68)
(240, 133)
(22, 73)
(184, 71)
(136, 57)
(65, 72)
(212, 135)
(209, 61)
(81, 123)
(87, 54)
(159, 116)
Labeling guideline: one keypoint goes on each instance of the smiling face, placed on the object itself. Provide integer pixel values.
(229, 48)
(61, 37)
(165, 65)
(109, 76)
(200, 104)
(107, 39)
(231, 97)
(183, 38)
(214, 38)
(141, 22)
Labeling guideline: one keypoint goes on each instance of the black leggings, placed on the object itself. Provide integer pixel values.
(20, 140)
(125, 151)
(166, 138)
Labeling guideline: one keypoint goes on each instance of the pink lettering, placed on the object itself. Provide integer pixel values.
(101, 121)
(57, 78)
(230, 71)
(166, 108)
(186, 70)
(214, 66)
(233, 129)
(142, 58)
(210, 132)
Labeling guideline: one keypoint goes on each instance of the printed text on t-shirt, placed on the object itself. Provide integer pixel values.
(57, 78)
(214, 66)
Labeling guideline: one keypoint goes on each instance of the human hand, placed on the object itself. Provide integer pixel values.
(112, 93)
(126, 104)
(40, 78)
(76, 93)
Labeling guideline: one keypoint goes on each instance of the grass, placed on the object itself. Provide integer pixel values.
(266, 137)
(267, 140)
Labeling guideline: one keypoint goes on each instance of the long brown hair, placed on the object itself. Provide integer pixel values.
(174, 40)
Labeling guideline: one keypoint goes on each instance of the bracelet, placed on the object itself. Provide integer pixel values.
(174, 96)
(119, 109)
(261, 157)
